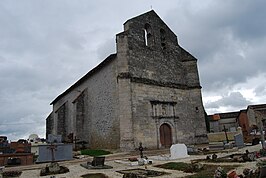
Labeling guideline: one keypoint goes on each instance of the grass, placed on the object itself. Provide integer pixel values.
(95, 152)
(8, 174)
(218, 160)
(175, 166)
(206, 172)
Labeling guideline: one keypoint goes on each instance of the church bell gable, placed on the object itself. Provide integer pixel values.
(149, 30)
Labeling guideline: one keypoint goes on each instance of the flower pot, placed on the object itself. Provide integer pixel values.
(232, 174)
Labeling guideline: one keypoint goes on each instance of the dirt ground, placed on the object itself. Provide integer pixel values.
(76, 171)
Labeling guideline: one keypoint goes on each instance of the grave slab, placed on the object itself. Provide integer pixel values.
(62, 152)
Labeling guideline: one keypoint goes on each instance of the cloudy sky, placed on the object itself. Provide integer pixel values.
(45, 46)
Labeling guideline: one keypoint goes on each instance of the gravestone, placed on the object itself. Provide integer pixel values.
(178, 151)
(61, 153)
(98, 161)
(54, 138)
(239, 140)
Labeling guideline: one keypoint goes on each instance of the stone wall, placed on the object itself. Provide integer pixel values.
(153, 67)
(221, 137)
(102, 104)
(25, 158)
(90, 109)
(49, 125)
(81, 114)
(253, 120)
(153, 62)
(62, 121)
(187, 124)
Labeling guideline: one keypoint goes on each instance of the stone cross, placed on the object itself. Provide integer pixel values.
(141, 150)
(227, 140)
(75, 142)
(52, 147)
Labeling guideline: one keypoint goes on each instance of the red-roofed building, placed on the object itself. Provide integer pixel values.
(220, 120)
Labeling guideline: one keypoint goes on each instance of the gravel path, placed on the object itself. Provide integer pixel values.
(76, 171)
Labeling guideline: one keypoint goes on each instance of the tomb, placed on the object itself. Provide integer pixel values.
(135, 173)
(62, 152)
(97, 163)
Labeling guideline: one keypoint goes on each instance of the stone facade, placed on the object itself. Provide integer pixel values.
(256, 115)
(147, 92)
(49, 124)
(252, 120)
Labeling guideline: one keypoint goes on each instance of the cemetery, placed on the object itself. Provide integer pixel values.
(224, 156)
(139, 113)
(57, 159)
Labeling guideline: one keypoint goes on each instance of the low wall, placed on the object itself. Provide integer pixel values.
(220, 136)
(26, 158)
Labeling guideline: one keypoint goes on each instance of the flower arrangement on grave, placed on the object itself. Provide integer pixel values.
(262, 167)
(220, 173)
(262, 152)
(261, 163)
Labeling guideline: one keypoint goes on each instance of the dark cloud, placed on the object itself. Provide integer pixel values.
(46, 46)
(260, 88)
(227, 38)
(233, 101)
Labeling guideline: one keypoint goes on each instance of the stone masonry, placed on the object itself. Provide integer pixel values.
(149, 92)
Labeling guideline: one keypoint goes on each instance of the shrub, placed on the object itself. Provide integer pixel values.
(262, 152)
(12, 173)
(261, 163)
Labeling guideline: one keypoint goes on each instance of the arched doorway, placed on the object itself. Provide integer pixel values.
(165, 135)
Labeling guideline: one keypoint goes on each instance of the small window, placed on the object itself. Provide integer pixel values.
(148, 35)
(162, 35)
(164, 110)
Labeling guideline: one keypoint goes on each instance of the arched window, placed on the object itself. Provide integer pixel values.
(148, 35)
(162, 36)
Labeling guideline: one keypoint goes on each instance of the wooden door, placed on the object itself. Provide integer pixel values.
(165, 135)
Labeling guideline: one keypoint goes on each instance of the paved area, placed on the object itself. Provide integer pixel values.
(76, 171)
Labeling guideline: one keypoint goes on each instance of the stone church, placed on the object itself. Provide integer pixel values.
(148, 91)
